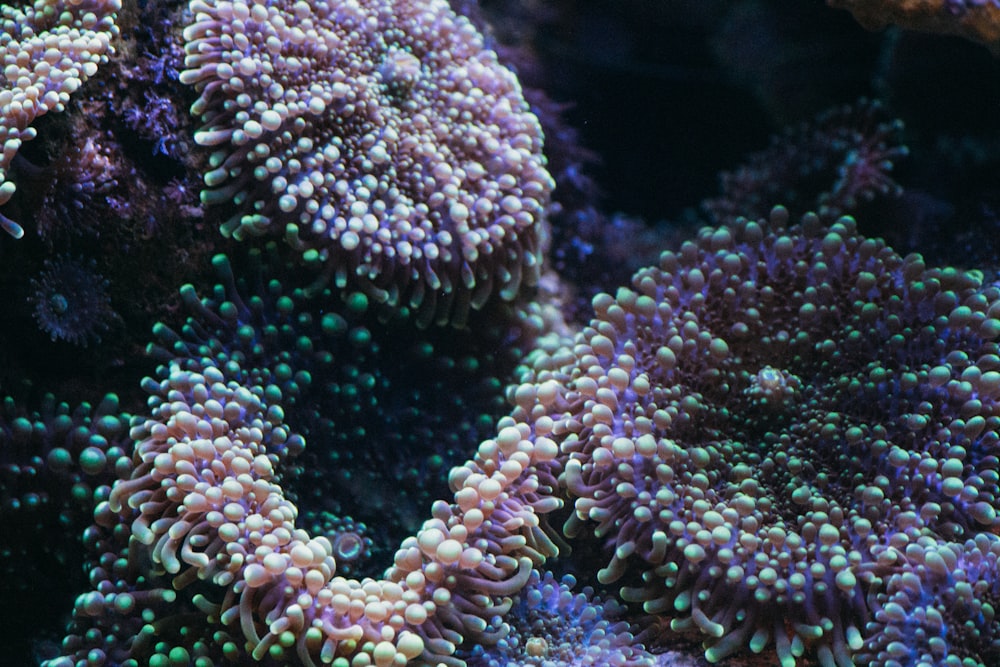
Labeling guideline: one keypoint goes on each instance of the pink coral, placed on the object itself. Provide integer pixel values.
(381, 138)
(205, 500)
(976, 20)
(49, 49)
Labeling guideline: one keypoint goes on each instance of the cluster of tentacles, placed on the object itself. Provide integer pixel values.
(782, 438)
(781, 430)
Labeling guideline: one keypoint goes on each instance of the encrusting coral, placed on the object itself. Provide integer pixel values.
(976, 20)
(381, 139)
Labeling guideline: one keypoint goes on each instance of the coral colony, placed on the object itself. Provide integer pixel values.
(379, 138)
(328, 340)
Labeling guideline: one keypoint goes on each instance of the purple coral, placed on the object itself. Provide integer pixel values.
(380, 138)
(939, 608)
(76, 194)
(764, 424)
(549, 625)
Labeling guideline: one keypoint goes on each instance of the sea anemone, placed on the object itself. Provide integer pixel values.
(380, 138)
(71, 301)
(766, 423)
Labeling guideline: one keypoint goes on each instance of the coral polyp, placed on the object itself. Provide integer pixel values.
(70, 301)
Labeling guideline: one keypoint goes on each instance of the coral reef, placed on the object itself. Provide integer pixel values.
(437, 333)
